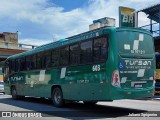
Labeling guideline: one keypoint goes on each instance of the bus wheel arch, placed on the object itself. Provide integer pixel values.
(13, 92)
(57, 96)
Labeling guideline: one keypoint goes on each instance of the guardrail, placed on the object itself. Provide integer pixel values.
(18, 46)
(154, 28)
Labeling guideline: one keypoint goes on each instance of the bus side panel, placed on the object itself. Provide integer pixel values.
(33, 83)
(39, 83)
(17, 80)
(84, 83)
(112, 61)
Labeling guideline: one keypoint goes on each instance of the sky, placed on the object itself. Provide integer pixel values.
(43, 21)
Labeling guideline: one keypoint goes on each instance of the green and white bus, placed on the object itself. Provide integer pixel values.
(105, 64)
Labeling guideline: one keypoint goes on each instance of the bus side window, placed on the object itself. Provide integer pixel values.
(10, 67)
(64, 56)
(22, 64)
(55, 58)
(86, 52)
(28, 63)
(74, 54)
(33, 62)
(43, 59)
(17, 65)
(100, 49)
(47, 59)
(14, 65)
(39, 60)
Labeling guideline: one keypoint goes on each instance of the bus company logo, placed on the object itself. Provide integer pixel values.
(18, 78)
(138, 63)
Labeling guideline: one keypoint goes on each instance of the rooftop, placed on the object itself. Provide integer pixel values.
(153, 12)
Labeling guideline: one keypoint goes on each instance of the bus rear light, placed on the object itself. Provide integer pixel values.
(115, 79)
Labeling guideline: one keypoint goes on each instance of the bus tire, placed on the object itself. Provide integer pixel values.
(57, 97)
(90, 103)
(14, 93)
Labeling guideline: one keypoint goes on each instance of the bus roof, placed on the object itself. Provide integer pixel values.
(69, 40)
(134, 29)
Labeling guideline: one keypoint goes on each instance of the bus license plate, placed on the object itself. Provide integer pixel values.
(138, 85)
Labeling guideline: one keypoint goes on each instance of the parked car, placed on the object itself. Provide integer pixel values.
(2, 87)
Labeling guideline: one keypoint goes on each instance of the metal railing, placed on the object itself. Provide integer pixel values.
(18, 46)
(154, 28)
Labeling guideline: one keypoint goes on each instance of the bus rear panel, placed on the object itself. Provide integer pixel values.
(135, 75)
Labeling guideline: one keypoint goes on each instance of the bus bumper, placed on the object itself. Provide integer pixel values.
(132, 93)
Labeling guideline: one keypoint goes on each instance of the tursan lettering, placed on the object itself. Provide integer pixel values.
(137, 62)
(18, 78)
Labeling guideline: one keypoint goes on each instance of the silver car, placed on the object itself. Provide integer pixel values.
(2, 87)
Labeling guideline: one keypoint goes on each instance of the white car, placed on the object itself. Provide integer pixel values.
(2, 87)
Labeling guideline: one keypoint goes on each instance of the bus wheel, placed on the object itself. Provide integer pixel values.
(14, 93)
(57, 97)
(90, 102)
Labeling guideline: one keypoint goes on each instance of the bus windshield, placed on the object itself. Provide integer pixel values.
(134, 43)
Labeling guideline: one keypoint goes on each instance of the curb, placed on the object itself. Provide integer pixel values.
(156, 97)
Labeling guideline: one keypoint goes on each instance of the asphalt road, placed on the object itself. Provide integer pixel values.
(119, 109)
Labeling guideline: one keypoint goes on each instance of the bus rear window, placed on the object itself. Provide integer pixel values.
(134, 43)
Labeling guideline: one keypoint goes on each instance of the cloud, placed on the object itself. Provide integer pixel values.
(101, 8)
(41, 21)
